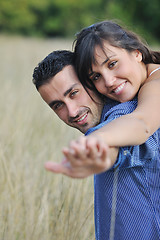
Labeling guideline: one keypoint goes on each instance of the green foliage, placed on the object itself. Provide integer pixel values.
(65, 17)
(143, 15)
(15, 16)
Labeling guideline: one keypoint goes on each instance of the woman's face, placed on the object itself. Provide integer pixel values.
(117, 73)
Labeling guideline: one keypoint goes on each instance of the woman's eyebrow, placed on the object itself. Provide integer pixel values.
(105, 61)
(90, 74)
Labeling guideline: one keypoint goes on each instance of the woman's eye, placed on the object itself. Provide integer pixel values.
(112, 64)
(95, 77)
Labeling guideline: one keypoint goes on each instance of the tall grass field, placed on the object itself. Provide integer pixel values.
(36, 204)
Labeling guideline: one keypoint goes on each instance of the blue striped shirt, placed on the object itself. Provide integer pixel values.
(127, 197)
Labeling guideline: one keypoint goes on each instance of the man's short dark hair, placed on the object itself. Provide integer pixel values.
(51, 65)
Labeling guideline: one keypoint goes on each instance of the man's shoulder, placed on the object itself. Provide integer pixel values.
(117, 109)
(114, 110)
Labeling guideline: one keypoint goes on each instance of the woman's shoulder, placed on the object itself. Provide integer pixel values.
(152, 68)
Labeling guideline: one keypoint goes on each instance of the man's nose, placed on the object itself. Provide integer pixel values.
(72, 109)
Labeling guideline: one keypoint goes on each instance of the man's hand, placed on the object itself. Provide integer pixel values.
(84, 157)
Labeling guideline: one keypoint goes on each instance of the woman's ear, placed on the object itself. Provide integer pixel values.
(138, 55)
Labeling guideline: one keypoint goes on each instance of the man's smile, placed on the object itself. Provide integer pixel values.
(82, 119)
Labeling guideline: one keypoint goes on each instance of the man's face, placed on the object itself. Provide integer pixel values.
(70, 101)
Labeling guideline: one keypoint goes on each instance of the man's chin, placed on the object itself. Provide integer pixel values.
(82, 128)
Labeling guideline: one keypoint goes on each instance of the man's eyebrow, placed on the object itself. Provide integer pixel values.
(70, 89)
(51, 104)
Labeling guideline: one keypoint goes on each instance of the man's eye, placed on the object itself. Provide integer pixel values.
(57, 106)
(112, 64)
(73, 93)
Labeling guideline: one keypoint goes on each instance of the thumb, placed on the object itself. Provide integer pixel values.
(54, 167)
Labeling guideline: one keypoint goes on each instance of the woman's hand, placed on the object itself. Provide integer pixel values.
(84, 157)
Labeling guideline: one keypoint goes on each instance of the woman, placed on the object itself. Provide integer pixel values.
(116, 63)
(120, 66)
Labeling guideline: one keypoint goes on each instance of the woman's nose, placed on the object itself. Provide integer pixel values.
(109, 80)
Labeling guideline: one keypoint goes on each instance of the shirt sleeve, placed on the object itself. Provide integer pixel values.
(130, 156)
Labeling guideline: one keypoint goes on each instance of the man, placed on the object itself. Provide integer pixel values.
(126, 195)
(58, 85)
(59, 89)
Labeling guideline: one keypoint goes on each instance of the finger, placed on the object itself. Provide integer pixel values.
(60, 168)
(108, 163)
(81, 151)
(67, 170)
(94, 148)
(79, 144)
(68, 151)
(77, 150)
(72, 157)
(102, 148)
(55, 167)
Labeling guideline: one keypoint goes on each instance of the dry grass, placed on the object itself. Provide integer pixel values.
(35, 204)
